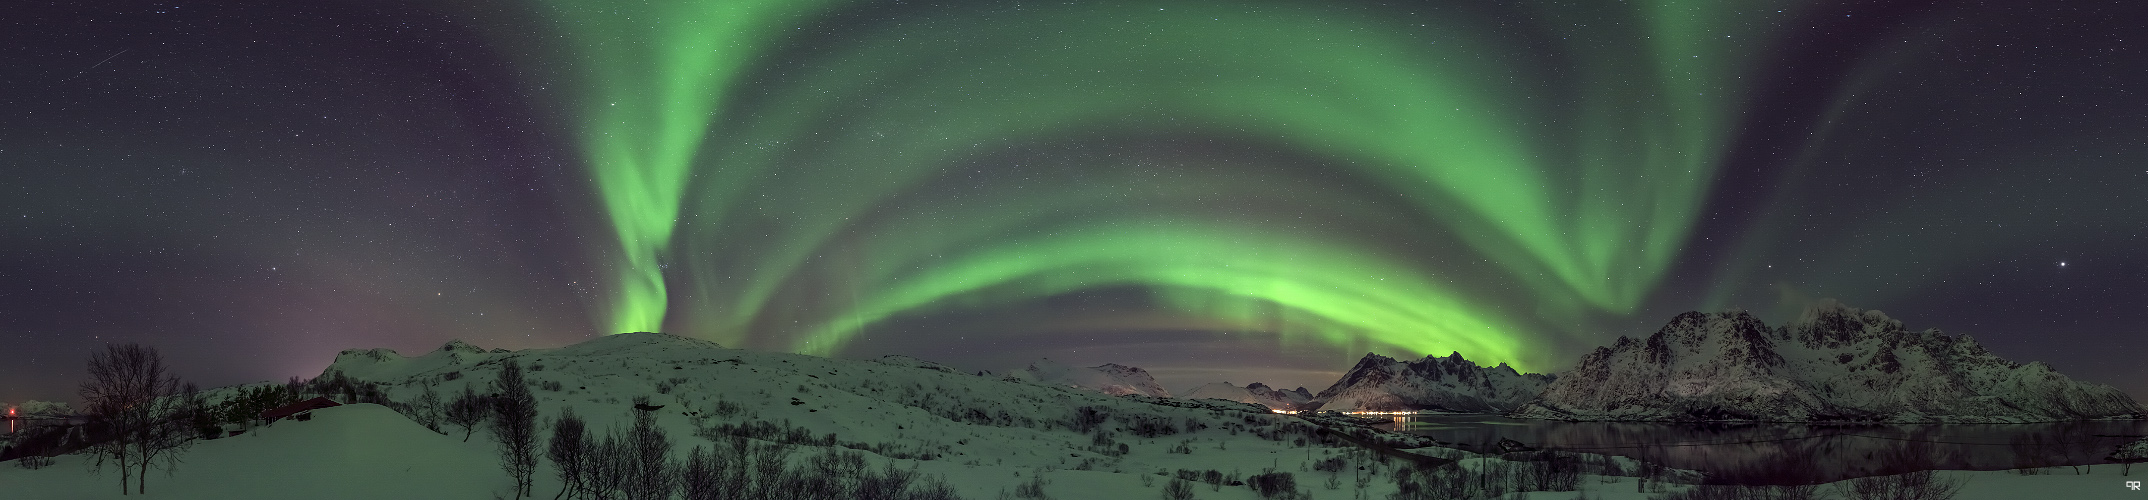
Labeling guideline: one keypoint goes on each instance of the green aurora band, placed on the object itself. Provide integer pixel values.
(653, 73)
(1580, 182)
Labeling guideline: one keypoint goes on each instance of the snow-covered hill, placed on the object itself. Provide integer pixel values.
(1380, 383)
(1833, 363)
(985, 434)
(1109, 378)
(38, 409)
(1255, 393)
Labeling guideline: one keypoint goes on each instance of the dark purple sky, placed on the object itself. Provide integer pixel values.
(252, 187)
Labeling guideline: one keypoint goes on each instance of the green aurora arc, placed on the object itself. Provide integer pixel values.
(652, 74)
(1579, 182)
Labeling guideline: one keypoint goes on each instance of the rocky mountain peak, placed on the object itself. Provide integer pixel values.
(1834, 362)
(375, 355)
(1451, 382)
(1734, 336)
(1828, 323)
(457, 345)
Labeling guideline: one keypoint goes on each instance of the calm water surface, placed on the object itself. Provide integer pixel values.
(1777, 453)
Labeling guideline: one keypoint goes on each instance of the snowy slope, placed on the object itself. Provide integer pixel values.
(355, 451)
(1833, 363)
(1255, 393)
(1109, 378)
(986, 434)
(1380, 383)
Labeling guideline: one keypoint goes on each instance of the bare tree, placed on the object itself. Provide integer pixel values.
(427, 409)
(168, 433)
(132, 399)
(653, 474)
(196, 413)
(569, 451)
(699, 479)
(768, 467)
(467, 411)
(514, 425)
(607, 464)
(2128, 454)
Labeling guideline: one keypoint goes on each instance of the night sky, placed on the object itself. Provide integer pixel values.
(1241, 191)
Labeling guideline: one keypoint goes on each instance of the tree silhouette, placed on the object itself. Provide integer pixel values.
(133, 401)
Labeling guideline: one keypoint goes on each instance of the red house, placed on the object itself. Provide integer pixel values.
(298, 408)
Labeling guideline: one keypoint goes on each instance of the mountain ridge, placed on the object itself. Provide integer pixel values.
(1833, 363)
(1450, 383)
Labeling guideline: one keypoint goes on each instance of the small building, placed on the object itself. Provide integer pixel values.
(299, 408)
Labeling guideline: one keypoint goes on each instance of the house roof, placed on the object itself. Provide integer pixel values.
(287, 410)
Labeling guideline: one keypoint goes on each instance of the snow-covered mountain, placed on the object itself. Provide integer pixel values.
(1109, 378)
(1381, 383)
(1833, 363)
(39, 409)
(1256, 393)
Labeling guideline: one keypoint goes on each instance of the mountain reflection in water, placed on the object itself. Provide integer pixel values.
(1790, 453)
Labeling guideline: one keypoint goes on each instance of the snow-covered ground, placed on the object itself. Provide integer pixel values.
(2103, 482)
(370, 452)
(353, 451)
(987, 436)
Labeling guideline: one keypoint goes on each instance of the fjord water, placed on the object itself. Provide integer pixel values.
(1796, 453)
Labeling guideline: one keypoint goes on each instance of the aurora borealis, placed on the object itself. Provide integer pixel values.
(1243, 191)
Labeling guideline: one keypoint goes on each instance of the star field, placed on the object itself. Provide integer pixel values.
(1252, 192)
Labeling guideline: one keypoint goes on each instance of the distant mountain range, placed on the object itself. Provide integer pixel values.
(1256, 393)
(1109, 378)
(1834, 363)
(38, 409)
(1380, 383)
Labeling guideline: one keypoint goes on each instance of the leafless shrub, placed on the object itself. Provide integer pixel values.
(1178, 489)
(34, 462)
(1032, 490)
(1919, 485)
(727, 409)
(1150, 426)
(467, 411)
(1087, 418)
(1742, 492)
(1280, 485)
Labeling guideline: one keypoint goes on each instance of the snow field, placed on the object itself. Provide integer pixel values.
(987, 436)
